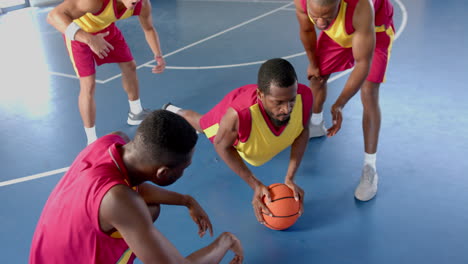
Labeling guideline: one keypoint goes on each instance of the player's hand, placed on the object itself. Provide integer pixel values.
(200, 217)
(236, 247)
(99, 45)
(298, 194)
(337, 116)
(161, 64)
(257, 202)
(314, 73)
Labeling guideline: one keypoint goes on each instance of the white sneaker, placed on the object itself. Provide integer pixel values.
(367, 187)
(136, 119)
(317, 130)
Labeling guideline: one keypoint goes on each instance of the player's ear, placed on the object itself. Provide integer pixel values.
(162, 173)
(259, 94)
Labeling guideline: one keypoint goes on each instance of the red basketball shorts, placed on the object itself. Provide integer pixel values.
(84, 60)
(334, 58)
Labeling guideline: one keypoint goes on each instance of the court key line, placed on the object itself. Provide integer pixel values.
(57, 171)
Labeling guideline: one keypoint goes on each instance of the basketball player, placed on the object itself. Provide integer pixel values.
(256, 122)
(355, 33)
(92, 38)
(102, 210)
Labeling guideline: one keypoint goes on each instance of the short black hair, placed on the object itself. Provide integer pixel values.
(275, 71)
(165, 138)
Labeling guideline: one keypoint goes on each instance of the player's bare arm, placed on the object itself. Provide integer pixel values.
(308, 37)
(363, 44)
(126, 211)
(151, 35)
(152, 194)
(297, 152)
(223, 143)
(123, 209)
(62, 16)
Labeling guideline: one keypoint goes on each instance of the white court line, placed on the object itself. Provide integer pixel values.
(33, 177)
(53, 172)
(404, 19)
(207, 38)
(70, 76)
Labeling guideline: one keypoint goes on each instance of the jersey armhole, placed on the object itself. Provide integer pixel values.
(245, 125)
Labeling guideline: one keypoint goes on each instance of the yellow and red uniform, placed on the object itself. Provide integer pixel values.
(68, 230)
(81, 55)
(258, 140)
(334, 44)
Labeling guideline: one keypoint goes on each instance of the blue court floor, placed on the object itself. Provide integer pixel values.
(420, 214)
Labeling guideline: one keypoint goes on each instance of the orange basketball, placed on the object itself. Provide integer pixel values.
(283, 206)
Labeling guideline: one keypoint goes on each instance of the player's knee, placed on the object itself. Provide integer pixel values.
(370, 92)
(128, 67)
(154, 210)
(87, 89)
(88, 82)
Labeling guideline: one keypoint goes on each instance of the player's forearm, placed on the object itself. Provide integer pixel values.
(153, 194)
(212, 253)
(309, 41)
(236, 164)
(354, 82)
(152, 39)
(61, 21)
(297, 152)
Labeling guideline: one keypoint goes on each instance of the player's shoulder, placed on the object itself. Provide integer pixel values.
(301, 5)
(364, 6)
(119, 203)
(243, 97)
(115, 137)
(303, 89)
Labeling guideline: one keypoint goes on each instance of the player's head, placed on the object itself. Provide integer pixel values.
(277, 89)
(323, 12)
(164, 144)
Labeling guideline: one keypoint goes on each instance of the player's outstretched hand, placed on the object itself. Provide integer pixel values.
(257, 202)
(160, 64)
(200, 218)
(298, 194)
(337, 120)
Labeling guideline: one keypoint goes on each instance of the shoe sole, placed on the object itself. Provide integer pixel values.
(316, 136)
(133, 122)
(164, 107)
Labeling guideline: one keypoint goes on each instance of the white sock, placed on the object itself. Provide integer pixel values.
(316, 119)
(135, 106)
(173, 109)
(91, 134)
(370, 159)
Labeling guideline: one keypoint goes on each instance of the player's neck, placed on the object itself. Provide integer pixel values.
(120, 6)
(130, 160)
